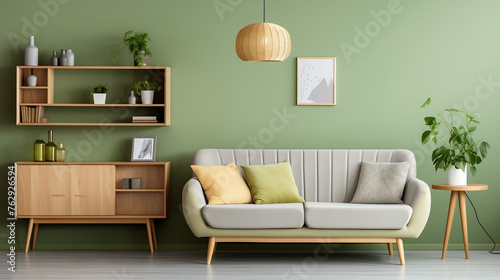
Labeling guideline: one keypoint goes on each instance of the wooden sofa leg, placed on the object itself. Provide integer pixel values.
(389, 246)
(401, 250)
(211, 249)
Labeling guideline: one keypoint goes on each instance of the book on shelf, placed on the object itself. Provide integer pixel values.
(32, 114)
(155, 121)
(144, 118)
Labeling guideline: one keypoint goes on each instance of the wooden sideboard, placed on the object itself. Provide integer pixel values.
(91, 193)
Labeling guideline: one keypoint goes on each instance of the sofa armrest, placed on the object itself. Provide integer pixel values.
(193, 200)
(418, 196)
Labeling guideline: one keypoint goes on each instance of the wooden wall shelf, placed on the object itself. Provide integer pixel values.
(90, 192)
(42, 96)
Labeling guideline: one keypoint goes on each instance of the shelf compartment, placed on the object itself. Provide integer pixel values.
(40, 73)
(92, 105)
(94, 67)
(33, 96)
(152, 176)
(139, 203)
(92, 124)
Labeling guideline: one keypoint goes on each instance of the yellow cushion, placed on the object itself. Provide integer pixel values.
(223, 184)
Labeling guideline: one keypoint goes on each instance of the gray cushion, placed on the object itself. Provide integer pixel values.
(254, 216)
(327, 215)
(381, 182)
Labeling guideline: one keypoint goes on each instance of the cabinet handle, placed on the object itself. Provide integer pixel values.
(81, 195)
(58, 195)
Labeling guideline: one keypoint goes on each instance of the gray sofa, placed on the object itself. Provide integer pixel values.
(327, 180)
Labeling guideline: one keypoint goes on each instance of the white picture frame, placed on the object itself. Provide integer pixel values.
(143, 149)
(316, 82)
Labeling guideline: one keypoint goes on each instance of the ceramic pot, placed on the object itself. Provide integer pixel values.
(147, 96)
(54, 61)
(132, 99)
(144, 57)
(457, 177)
(32, 80)
(99, 98)
(31, 53)
(71, 57)
(63, 59)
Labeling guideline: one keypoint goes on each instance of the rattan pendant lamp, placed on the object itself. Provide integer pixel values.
(263, 42)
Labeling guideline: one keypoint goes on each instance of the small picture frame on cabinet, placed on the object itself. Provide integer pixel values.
(143, 149)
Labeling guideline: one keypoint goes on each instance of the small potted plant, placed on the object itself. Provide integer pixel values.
(99, 93)
(138, 45)
(456, 148)
(146, 90)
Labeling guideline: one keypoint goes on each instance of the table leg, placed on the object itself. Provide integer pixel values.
(463, 217)
(28, 238)
(451, 212)
(35, 234)
(153, 230)
(150, 235)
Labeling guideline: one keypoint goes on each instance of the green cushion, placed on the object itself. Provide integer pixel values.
(272, 183)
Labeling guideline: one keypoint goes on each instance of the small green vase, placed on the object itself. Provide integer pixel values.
(39, 150)
(61, 152)
(50, 149)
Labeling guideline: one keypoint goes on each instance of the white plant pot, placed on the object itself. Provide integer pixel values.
(457, 177)
(99, 98)
(147, 96)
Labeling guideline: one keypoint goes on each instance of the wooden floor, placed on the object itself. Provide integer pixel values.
(140, 264)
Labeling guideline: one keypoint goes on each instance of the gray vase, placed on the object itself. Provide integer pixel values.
(63, 59)
(54, 61)
(71, 57)
(31, 53)
(32, 80)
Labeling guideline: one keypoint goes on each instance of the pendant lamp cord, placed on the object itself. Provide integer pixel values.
(264, 11)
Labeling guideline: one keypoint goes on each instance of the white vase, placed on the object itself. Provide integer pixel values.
(31, 53)
(99, 98)
(31, 80)
(147, 96)
(131, 98)
(71, 57)
(457, 177)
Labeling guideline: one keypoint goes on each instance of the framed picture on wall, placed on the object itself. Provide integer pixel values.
(144, 149)
(316, 81)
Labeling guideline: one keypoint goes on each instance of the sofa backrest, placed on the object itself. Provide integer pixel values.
(320, 175)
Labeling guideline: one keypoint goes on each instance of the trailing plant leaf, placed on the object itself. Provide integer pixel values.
(426, 103)
(484, 148)
(426, 136)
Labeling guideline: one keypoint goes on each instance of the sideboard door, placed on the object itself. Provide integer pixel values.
(43, 190)
(93, 190)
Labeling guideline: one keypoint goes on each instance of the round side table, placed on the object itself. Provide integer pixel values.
(460, 192)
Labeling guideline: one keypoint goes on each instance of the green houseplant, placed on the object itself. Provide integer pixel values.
(460, 149)
(99, 93)
(146, 90)
(138, 45)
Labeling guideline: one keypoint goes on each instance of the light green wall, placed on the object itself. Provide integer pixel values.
(439, 49)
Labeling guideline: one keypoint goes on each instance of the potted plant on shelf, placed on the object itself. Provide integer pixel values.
(138, 45)
(99, 93)
(457, 149)
(146, 90)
